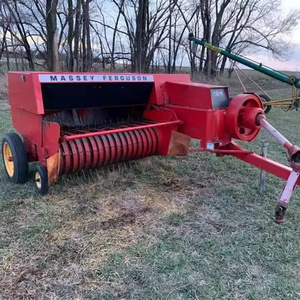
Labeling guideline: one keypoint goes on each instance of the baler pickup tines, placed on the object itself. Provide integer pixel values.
(94, 148)
(101, 150)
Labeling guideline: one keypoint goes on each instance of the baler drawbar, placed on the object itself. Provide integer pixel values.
(69, 122)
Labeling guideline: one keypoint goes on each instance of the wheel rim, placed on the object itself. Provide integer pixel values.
(38, 180)
(265, 107)
(8, 160)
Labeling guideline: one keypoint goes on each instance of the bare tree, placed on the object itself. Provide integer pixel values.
(245, 24)
(17, 28)
(138, 34)
(52, 35)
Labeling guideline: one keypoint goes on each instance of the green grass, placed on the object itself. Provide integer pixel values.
(161, 228)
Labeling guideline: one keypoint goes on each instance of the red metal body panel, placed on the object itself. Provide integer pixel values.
(205, 125)
(190, 94)
(30, 126)
(158, 94)
(25, 93)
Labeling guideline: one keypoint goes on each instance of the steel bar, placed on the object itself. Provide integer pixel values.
(79, 136)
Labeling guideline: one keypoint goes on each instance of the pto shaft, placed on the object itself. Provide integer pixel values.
(276, 134)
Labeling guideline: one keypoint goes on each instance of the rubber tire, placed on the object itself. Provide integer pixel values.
(19, 156)
(266, 98)
(44, 179)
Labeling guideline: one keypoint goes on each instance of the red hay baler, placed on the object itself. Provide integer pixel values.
(71, 122)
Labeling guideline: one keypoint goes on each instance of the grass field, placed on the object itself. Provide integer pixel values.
(159, 228)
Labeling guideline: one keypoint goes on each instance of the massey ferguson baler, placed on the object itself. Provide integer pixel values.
(71, 122)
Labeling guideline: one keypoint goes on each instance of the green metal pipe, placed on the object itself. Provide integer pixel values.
(291, 80)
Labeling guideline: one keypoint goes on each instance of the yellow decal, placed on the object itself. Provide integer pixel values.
(213, 48)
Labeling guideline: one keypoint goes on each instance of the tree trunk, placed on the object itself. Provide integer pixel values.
(170, 37)
(216, 35)
(206, 20)
(224, 60)
(87, 35)
(70, 36)
(52, 41)
(83, 39)
(77, 35)
(140, 53)
(7, 54)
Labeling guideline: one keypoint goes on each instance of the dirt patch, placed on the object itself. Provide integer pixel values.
(120, 221)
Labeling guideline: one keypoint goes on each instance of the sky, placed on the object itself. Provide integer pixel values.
(293, 63)
(288, 5)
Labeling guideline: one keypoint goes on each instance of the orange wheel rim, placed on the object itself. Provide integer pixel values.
(8, 160)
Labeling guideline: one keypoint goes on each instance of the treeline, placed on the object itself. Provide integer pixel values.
(137, 35)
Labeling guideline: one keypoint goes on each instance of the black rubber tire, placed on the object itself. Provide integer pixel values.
(43, 180)
(266, 98)
(20, 174)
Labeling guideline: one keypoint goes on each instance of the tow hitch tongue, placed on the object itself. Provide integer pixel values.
(294, 159)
